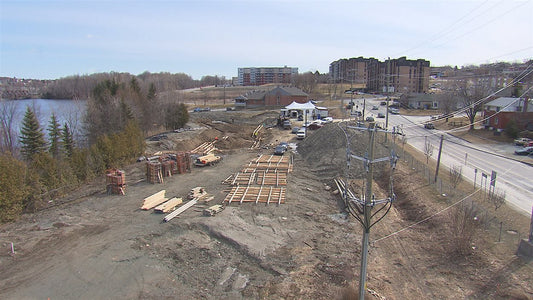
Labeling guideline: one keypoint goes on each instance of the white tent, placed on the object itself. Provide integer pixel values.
(301, 106)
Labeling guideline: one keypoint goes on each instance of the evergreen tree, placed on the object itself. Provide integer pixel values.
(31, 136)
(151, 92)
(54, 134)
(68, 141)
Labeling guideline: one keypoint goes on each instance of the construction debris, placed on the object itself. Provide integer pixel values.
(197, 192)
(213, 210)
(116, 181)
(168, 205)
(154, 200)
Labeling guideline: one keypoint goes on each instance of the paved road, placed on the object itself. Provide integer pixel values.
(513, 177)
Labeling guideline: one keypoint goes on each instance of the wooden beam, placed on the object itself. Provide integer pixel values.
(178, 211)
(169, 205)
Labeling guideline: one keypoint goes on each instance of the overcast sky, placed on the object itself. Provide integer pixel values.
(53, 39)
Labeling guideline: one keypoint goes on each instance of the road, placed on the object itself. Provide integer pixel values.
(513, 177)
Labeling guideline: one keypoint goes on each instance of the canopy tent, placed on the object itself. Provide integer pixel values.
(300, 106)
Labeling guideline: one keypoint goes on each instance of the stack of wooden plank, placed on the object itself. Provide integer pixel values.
(168, 206)
(154, 200)
(116, 181)
(204, 148)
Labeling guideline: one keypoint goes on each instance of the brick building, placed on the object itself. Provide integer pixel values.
(499, 112)
(266, 75)
(394, 75)
(279, 96)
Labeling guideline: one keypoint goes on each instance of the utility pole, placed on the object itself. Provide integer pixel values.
(361, 209)
(438, 157)
(367, 207)
(387, 73)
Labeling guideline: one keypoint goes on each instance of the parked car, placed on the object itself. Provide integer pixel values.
(280, 150)
(524, 151)
(521, 141)
(315, 126)
(394, 111)
(327, 120)
(383, 103)
(369, 119)
(429, 126)
(295, 130)
(287, 124)
(300, 134)
(381, 115)
(375, 107)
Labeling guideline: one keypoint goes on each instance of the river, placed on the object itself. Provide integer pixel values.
(70, 112)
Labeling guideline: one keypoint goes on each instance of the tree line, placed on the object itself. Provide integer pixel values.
(43, 162)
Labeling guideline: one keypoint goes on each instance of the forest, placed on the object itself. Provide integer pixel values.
(44, 161)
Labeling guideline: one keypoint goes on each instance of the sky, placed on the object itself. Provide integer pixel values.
(53, 39)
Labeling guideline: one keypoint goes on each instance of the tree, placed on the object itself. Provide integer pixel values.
(54, 134)
(13, 187)
(8, 110)
(473, 96)
(31, 136)
(428, 149)
(176, 116)
(67, 141)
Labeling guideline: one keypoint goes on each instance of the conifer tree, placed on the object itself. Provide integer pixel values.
(68, 141)
(54, 134)
(31, 136)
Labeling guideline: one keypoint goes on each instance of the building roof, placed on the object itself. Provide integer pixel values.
(288, 90)
(508, 104)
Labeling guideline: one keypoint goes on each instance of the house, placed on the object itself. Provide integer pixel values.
(419, 101)
(499, 112)
(278, 96)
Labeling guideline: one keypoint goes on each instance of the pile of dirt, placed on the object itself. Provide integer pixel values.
(325, 150)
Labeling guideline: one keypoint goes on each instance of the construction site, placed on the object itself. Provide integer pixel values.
(211, 213)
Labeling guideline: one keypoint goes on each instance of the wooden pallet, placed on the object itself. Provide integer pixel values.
(257, 194)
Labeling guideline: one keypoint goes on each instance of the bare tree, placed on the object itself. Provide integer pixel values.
(447, 102)
(497, 199)
(456, 175)
(428, 149)
(473, 96)
(8, 136)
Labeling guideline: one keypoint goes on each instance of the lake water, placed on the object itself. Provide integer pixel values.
(66, 111)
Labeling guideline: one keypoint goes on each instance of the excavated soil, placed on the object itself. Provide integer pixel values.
(95, 246)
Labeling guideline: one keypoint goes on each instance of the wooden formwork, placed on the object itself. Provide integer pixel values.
(271, 178)
(256, 194)
(270, 163)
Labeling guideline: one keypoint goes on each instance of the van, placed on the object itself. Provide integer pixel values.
(300, 134)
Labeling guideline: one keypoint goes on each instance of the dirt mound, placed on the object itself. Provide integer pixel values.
(325, 150)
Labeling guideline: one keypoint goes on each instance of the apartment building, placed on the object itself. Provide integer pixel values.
(394, 75)
(266, 75)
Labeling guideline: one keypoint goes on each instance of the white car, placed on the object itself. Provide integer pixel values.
(327, 120)
(300, 134)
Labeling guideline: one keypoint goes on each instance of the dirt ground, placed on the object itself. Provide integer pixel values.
(90, 245)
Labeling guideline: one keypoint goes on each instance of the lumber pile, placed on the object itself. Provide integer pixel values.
(167, 165)
(154, 200)
(205, 148)
(168, 205)
(115, 181)
(181, 209)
